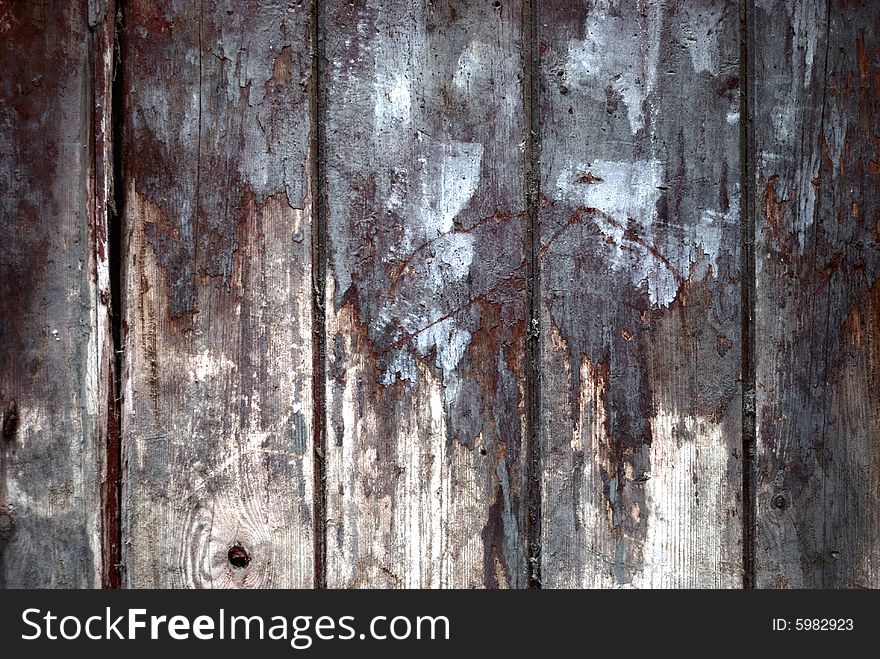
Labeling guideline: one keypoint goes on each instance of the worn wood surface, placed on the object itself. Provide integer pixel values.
(425, 293)
(56, 359)
(640, 318)
(357, 351)
(817, 137)
(217, 385)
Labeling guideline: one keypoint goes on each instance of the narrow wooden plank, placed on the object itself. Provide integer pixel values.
(425, 293)
(56, 360)
(640, 319)
(217, 416)
(817, 137)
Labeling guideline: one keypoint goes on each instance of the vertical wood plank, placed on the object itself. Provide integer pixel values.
(425, 293)
(217, 422)
(817, 138)
(640, 319)
(56, 360)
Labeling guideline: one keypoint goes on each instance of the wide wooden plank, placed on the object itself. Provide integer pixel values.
(422, 106)
(56, 357)
(817, 136)
(217, 386)
(639, 308)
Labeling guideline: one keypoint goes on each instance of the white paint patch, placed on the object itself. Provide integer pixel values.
(207, 366)
(627, 189)
(394, 59)
(471, 64)
(450, 176)
(448, 340)
(612, 55)
(710, 230)
(399, 187)
(447, 178)
(733, 117)
(699, 27)
(626, 193)
(455, 253)
(401, 366)
(393, 102)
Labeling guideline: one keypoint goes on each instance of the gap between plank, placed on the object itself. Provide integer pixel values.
(319, 291)
(747, 266)
(112, 560)
(532, 189)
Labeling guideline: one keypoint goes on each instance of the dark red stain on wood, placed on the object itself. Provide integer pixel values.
(111, 532)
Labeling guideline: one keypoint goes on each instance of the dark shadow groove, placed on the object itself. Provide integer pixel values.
(112, 577)
(532, 189)
(747, 265)
(319, 277)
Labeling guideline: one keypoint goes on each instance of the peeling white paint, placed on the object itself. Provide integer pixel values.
(710, 230)
(389, 518)
(401, 367)
(449, 177)
(628, 189)
(393, 61)
(626, 193)
(449, 341)
(455, 253)
(612, 55)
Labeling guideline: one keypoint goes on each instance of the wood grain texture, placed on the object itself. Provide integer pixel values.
(56, 359)
(640, 318)
(425, 293)
(217, 416)
(817, 141)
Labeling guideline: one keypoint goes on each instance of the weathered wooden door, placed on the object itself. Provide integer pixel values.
(331, 293)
